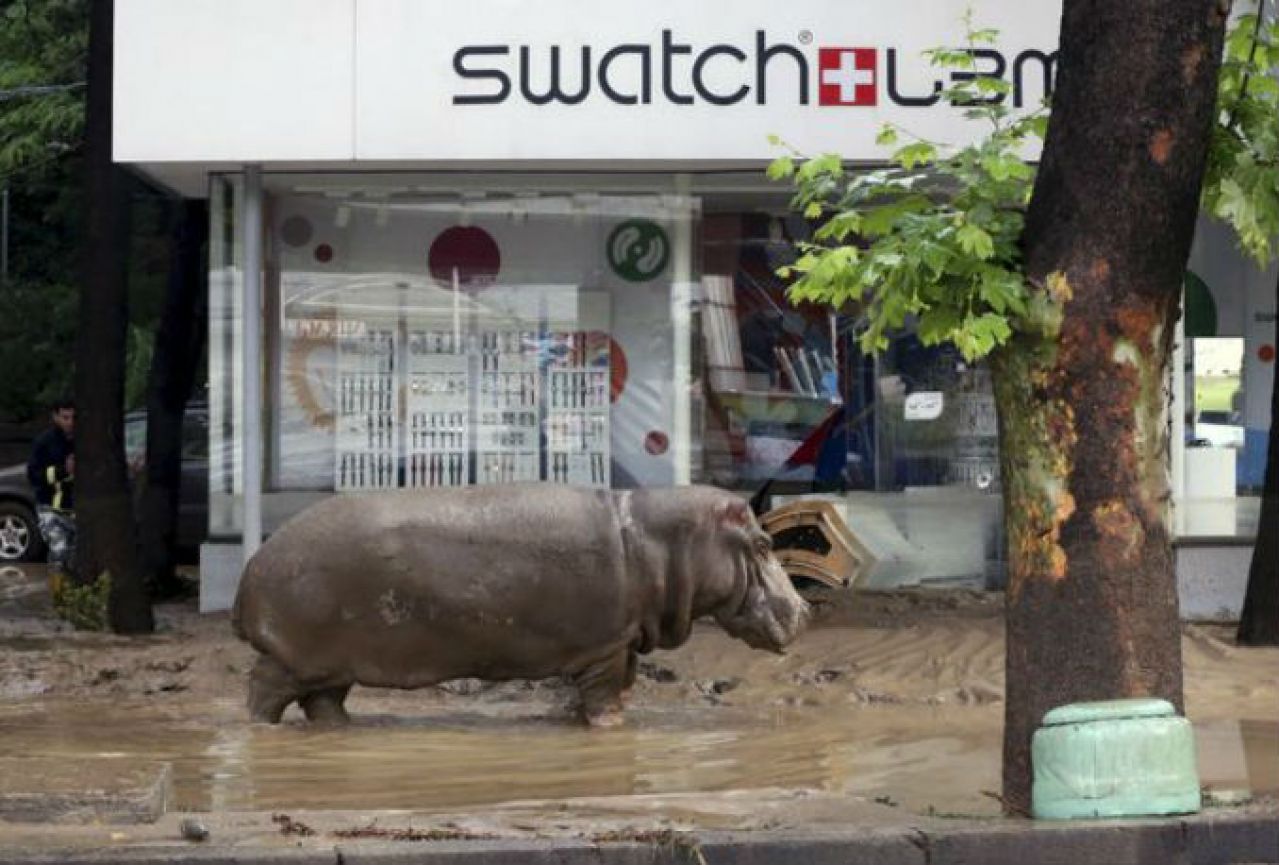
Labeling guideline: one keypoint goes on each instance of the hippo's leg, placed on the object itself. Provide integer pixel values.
(632, 668)
(325, 707)
(600, 686)
(271, 689)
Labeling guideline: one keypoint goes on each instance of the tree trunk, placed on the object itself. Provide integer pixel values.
(179, 343)
(1083, 408)
(106, 541)
(1259, 622)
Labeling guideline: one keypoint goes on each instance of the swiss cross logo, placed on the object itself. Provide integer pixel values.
(848, 76)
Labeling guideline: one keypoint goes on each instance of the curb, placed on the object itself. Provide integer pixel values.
(1217, 838)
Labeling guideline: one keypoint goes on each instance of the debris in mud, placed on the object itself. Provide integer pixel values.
(978, 694)
(886, 800)
(719, 687)
(289, 826)
(447, 832)
(820, 677)
(672, 841)
(104, 676)
(166, 688)
(865, 695)
(178, 666)
(193, 830)
(1215, 798)
(792, 701)
(463, 687)
(657, 673)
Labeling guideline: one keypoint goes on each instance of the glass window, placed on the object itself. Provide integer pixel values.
(614, 331)
(1225, 369)
(449, 332)
(225, 370)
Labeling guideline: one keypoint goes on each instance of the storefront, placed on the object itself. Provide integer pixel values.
(511, 241)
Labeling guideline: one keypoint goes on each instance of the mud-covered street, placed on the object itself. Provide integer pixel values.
(888, 698)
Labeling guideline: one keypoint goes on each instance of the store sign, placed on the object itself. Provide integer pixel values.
(662, 81)
(676, 71)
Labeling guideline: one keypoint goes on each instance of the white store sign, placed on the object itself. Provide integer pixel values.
(206, 81)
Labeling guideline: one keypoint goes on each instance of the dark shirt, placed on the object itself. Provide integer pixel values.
(47, 470)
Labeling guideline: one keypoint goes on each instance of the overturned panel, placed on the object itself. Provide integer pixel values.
(813, 542)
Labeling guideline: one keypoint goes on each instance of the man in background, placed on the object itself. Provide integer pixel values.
(51, 471)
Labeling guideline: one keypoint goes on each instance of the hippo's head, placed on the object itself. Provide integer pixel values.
(760, 605)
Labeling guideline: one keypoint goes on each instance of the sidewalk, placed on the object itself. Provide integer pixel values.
(1244, 835)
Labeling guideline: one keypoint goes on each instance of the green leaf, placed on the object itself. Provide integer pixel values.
(975, 241)
(990, 84)
(938, 325)
(827, 165)
(919, 153)
(883, 219)
(839, 227)
(887, 136)
(781, 168)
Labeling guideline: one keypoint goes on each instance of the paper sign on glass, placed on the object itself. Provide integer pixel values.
(925, 405)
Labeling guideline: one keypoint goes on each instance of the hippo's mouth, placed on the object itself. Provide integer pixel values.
(763, 620)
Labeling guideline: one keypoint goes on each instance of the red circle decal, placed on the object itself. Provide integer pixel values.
(469, 252)
(618, 370)
(324, 253)
(1266, 353)
(657, 443)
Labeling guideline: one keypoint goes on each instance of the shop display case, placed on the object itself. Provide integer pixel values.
(577, 427)
(437, 440)
(368, 411)
(508, 447)
(446, 408)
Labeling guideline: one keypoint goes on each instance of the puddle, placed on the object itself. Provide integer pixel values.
(464, 759)
(916, 758)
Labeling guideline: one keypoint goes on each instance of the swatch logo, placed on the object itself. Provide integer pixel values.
(668, 70)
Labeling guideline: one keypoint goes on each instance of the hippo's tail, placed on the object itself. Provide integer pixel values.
(237, 608)
(237, 626)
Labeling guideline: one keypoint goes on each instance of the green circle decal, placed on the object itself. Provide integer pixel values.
(638, 250)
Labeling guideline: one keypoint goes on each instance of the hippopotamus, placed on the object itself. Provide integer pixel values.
(412, 588)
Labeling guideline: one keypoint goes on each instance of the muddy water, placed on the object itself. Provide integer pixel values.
(923, 760)
(893, 702)
(506, 754)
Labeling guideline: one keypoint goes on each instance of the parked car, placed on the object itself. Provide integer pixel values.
(1218, 429)
(20, 539)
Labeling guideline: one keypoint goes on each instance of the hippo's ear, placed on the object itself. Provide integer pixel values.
(735, 515)
(735, 521)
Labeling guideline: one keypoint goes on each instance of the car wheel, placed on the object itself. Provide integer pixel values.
(20, 539)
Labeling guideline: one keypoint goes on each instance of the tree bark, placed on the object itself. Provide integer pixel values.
(179, 344)
(1081, 394)
(106, 540)
(1259, 621)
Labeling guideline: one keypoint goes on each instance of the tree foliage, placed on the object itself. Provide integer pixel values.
(1241, 186)
(936, 235)
(43, 47)
(43, 55)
